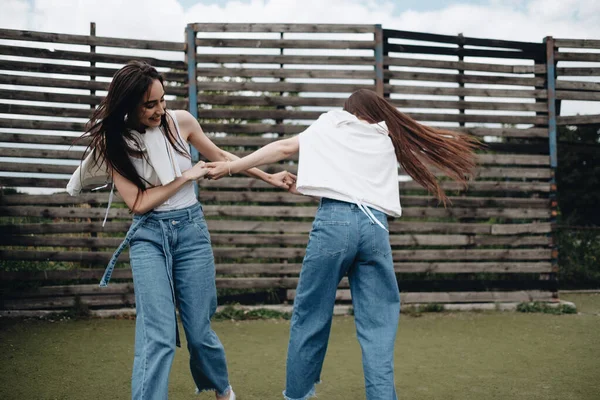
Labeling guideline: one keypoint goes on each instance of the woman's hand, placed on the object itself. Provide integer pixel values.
(217, 170)
(196, 172)
(283, 180)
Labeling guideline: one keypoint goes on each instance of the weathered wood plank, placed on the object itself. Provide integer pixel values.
(577, 71)
(285, 73)
(577, 43)
(458, 297)
(101, 198)
(34, 36)
(282, 59)
(278, 28)
(339, 102)
(25, 66)
(66, 112)
(287, 44)
(289, 252)
(283, 87)
(273, 269)
(252, 114)
(274, 211)
(573, 95)
(457, 51)
(287, 227)
(456, 39)
(246, 183)
(577, 85)
(72, 83)
(465, 66)
(568, 56)
(578, 119)
(39, 153)
(462, 78)
(68, 98)
(35, 52)
(279, 239)
(462, 91)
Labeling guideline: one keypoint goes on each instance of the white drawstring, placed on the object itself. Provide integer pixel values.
(110, 199)
(369, 214)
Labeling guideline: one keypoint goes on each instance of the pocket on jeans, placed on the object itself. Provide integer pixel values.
(380, 240)
(332, 237)
(201, 226)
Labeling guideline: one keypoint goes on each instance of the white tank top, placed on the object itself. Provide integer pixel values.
(186, 195)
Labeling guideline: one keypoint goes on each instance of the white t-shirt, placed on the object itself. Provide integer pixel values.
(344, 158)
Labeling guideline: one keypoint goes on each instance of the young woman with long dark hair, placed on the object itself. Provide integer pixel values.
(350, 160)
(143, 148)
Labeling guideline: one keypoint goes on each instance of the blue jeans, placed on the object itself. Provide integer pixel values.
(344, 241)
(173, 265)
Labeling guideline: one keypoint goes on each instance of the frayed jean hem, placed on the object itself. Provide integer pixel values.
(198, 391)
(311, 393)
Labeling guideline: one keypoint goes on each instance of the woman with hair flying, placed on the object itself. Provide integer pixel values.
(142, 147)
(350, 160)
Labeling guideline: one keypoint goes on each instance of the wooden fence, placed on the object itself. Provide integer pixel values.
(250, 84)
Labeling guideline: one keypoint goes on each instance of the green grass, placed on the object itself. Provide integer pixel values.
(476, 355)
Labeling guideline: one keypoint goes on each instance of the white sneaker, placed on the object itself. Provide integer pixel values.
(231, 395)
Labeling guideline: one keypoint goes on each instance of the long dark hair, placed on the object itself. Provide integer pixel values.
(109, 128)
(418, 146)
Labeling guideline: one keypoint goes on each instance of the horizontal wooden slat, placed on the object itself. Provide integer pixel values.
(273, 269)
(18, 109)
(289, 129)
(285, 73)
(226, 113)
(287, 44)
(71, 83)
(567, 56)
(283, 86)
(459, 39)
(577, 43)
(339, 102)
(26, 66)
(289, 252)
(39, 153)
(456, 51)
(283, 59)
(287, 227)
(578, 119)
(297, 28)
(277, 239)
(459, 297)
(462, 78)
(34, 36)
(576, 71)
(244, 183)
(33, 52)
(459, 91)
(96, 198)
(577, 85)
(574, 95)
(465, 66)
(276, 211)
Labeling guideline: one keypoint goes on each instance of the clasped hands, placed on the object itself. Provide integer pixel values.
(217, 170)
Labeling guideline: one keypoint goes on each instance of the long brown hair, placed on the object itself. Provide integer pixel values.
(418, 146)
(110, 126)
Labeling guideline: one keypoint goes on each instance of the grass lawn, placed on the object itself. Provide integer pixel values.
(465, 355)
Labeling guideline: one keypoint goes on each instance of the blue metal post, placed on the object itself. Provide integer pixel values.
(190, 40)
(552, 139)
(379, 87)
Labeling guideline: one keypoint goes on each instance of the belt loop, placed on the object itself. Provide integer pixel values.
(189, 212)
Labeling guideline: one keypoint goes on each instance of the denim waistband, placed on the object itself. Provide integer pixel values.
(358, 205)
(187, 212)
